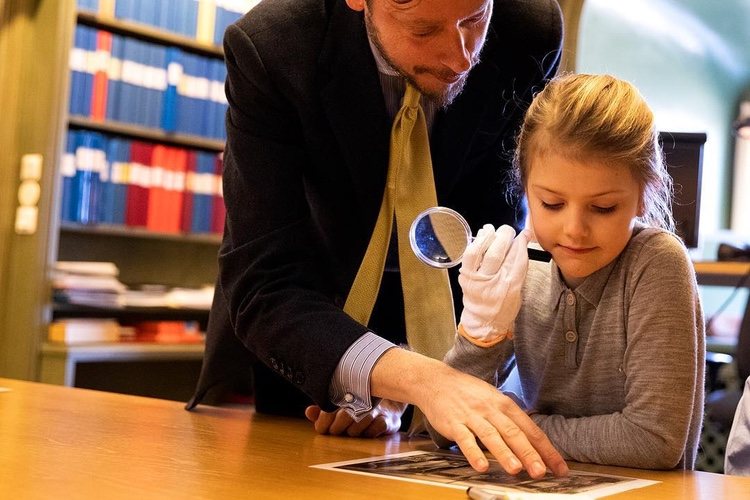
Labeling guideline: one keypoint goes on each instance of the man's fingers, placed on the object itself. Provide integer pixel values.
(512, 447)
(324, 421)
(467, 443)
(357, 428)
(341, 423)
(527, 442)
(377, 427)
(312, 412)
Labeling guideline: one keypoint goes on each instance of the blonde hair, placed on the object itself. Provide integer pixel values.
(581, 116)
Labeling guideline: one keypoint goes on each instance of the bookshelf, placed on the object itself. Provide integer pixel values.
(35, 83)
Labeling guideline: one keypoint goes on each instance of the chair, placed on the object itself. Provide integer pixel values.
(721, 404)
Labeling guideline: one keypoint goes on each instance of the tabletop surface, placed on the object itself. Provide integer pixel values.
(61, 442)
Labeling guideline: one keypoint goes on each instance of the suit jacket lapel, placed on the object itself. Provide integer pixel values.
(456, 127)
(353, 101)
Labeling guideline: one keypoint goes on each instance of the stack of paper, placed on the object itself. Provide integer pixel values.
(87, 283)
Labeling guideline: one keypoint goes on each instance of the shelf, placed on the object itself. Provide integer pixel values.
(146, 133)
(124, 351)
(60, 311)
(138, 232)
(167, 371)
(149, 34)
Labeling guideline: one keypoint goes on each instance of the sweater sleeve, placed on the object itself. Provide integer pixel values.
(663, 368)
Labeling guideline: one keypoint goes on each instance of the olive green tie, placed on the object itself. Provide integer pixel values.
(410, 188)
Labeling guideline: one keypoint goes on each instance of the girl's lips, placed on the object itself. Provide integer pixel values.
(575, 250)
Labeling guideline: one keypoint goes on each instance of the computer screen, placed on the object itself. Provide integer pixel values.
(683, 152)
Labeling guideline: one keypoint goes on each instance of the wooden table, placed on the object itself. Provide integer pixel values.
(63, 442)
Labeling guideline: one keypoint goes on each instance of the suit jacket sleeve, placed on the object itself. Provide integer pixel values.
(275, 276)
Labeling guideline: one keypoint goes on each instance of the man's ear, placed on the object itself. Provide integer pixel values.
(357, 5)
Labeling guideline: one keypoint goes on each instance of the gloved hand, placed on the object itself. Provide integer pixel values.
(492, 273)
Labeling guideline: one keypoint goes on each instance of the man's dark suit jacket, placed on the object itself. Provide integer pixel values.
(305, 169)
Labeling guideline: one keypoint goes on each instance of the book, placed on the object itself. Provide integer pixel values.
(86, 268)
(83, 330)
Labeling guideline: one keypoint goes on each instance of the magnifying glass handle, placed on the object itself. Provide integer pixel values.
(534, 253)
(539, 255)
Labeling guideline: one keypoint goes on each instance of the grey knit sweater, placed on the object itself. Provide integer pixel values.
(612, 371)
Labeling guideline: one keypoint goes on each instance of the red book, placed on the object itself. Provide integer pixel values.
(157, 199)
(139, 182)
(176, 189)
(219, 211)
(99, 90)
(186, 217)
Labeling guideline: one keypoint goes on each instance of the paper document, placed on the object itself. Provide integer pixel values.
(453, 471)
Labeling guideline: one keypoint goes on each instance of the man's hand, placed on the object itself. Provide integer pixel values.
(384, 419)
(466, 410)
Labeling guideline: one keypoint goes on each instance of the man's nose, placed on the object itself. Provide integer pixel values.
(458, 55)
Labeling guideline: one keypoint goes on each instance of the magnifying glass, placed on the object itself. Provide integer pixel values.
(439, 237)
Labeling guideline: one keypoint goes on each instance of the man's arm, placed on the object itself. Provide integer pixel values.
(465, 409)
(276, 273)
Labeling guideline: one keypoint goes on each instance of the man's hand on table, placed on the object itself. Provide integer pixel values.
(468, 410)
(384, 419)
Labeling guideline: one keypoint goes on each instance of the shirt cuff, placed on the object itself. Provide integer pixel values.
(350, 386)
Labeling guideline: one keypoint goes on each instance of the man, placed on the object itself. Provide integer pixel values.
(313, 87)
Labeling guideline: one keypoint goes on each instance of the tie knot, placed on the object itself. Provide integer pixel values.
(411, 96)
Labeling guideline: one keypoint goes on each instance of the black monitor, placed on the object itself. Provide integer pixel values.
(683, 152)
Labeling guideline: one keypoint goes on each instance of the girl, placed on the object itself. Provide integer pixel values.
(609, 337)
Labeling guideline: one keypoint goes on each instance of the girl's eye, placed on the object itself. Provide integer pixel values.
(551, 206)
(605, 210)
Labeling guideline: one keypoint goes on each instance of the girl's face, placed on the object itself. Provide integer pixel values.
(583, 212)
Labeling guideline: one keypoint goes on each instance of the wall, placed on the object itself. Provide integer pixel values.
(691, 60)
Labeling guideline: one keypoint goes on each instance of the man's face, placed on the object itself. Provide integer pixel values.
(433, 43)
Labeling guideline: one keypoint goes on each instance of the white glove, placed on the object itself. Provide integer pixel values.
(492, 273)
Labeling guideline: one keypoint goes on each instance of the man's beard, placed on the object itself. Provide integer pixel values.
(441, 99)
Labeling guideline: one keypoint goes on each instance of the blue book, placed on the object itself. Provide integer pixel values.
(77, 65)
(127, 91)
(105, 208)
(158, 58)
(120, 172)
(87, 177)
(173, 57)
(203, 192)
(124, 9)
(190, 28)
(166, 13)
(114, 80)
(87, 85)
(89, 5)
(185, 109)
(210, 123)
(68, 173)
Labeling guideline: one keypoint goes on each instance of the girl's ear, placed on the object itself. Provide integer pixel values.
(358, 5)
(641, 207)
